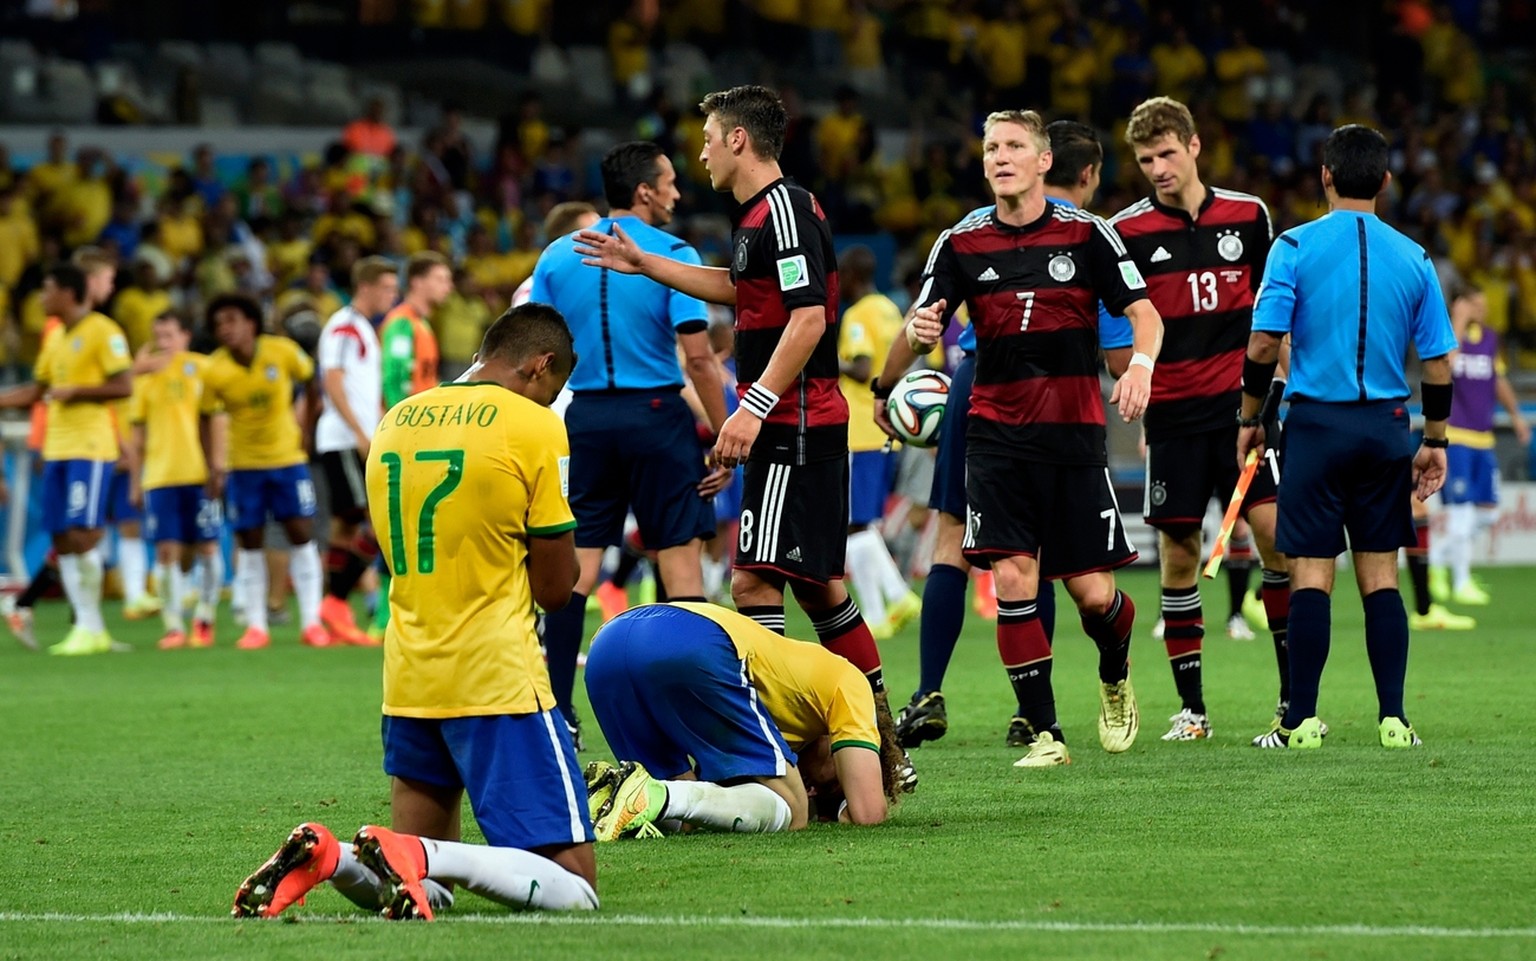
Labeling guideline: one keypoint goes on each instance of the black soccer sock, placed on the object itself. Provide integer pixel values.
(1277, 608)
(345, 567)
(45, 580)
(1111, 633)
(1184, 636)
(1027, 658)
(625, 569)
(943, 618)
(1386, 644)
(1238, 571)
(1418, 567)
(1045, 605)
(1307, 643)
(770, 616)
(562, 642)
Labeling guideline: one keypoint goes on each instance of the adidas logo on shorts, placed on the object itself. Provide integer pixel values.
(1159, 255)
(988, 274)
(793, 555)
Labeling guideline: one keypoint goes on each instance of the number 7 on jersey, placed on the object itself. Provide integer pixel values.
(426, 555)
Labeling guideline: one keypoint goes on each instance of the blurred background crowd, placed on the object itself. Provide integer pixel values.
(456, 125)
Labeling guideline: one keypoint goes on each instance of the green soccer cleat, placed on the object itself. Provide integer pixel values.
(1308, 735)
(903, 612)
(602, 780)
(1440, 619)
(1254, 612)
(1118, 720)
(1470, 595)
(79, 642)
(637, 805)
(1440, 583)
(1396, 735)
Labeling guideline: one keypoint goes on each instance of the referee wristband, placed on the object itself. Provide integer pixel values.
(1257, 376)
(881, 393)
(759, 400)
(1436, 442)
(1437, 401)
(1141, 360)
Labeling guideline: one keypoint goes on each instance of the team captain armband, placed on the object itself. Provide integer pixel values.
(1256, 377)
(759, 400)
(1437, 401)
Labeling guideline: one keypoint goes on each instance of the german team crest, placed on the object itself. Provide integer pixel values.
(1158, 495)
(741, 256)
(1062, 268)
(1229, 245)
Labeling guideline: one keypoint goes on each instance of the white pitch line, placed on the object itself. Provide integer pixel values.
(933, 924)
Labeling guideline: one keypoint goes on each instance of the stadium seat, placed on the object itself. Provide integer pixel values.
(273, 59)
(279, 100)
(17, 53)
(550, 67)
(328, 103)
(230, 70)
(220, 112)
(68, 93)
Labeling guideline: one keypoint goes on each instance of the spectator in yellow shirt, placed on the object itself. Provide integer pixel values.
(1003, 49)
(46, 179)
(85, 204)
(862, 53)
(494, 273)
(181, 233)
(837, 136)
(460, 323)
(19, 243)
(1180, 66)
(1237, 66)
(139, 304)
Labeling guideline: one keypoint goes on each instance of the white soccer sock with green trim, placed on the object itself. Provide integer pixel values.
(508, 876)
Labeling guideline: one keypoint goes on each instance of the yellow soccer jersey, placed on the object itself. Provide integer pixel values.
(168, 403)
(459, 478)
(263, 433)
(86, 355)
(808, 691)
(866, 330)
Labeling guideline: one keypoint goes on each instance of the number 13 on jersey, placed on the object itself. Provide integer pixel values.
(422, 533)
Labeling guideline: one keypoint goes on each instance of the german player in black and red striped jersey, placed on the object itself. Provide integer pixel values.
(791, 430)
(1202, 250)
(1039, 499)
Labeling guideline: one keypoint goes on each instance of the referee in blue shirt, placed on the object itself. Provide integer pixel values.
(1353, 294)
(634, 441)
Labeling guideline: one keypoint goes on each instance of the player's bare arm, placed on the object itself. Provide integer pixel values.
(859, 774)
(1505, 393)
(1263, 352)
(801, 335)
(1134, 388)
(552, 569)
(618, 252)
(1429, 463)
(133, 458)
(213, 432)
(24, 396)
(336, 393)
(898, 360)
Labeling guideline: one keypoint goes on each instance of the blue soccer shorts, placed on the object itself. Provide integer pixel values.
(282, 493)
(666, 685)
(119, 508)
(75, 494)
(948, 493)
(1471, 476)
(869, 475)
(519, 770)
(183, 514)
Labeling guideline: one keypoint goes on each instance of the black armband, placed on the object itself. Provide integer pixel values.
(1437, 401)
(1439, 442)
(1256, 376)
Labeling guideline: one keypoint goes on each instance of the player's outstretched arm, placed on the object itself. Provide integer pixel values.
(859, 775)
(616, 251)
(1134, 389)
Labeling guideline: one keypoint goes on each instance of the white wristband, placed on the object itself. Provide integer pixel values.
(1141, 360)
(759, 400)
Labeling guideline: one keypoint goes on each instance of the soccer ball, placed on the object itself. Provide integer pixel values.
(916, 406)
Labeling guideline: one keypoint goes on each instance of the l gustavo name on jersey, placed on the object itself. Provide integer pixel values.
(446, 415)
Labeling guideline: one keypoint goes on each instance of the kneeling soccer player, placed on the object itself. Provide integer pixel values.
(467, 481)
(713, 709)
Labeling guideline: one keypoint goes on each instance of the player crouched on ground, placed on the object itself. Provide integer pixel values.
(766, 721)
(467, 480)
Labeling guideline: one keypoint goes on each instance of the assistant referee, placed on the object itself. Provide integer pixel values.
(1352, 293)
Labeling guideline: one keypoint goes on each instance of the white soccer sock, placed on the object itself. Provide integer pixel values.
(251, 586)
(749, 808)
(308, 581)
(508, 876)
(714, 576)
(210, 581)
(168, 585)
(864, 569)
(355, 881)
(133, 566)
(1460, 527)
(69, 574)
(892, 584)
(88, 613)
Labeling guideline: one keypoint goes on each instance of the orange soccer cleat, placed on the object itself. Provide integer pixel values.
(315, 635)
(173, 640)
(202, 634)
(307, 858)
(985, 600)
(336, 615)
(254, 639)
(613, 598)
(401, 861)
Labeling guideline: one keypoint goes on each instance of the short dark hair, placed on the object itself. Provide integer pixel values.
(179, 318)
(755, 109)
(247, 306)
(1356, 156)
(423, 262)
(857, 263)
(529, 329)
(1073, 146)
(68, 277)
(627, 166)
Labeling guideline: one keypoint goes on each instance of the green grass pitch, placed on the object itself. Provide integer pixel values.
(140, 788)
